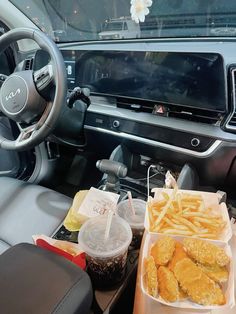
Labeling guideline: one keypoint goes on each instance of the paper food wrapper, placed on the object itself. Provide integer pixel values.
(228, 287)
(70, 251)
(88, 204)
(74, 219)
(98, 202)
(210, 200)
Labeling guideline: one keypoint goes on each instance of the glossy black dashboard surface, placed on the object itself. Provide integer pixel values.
(188, 79)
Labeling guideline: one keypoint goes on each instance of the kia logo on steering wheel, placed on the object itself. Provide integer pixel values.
(13, 94)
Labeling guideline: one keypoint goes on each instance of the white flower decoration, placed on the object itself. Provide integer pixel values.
(139, 9)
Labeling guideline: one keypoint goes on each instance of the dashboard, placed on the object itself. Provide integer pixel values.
(170, 100)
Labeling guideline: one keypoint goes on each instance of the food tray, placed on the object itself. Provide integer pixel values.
(210, 200)
(228, 287)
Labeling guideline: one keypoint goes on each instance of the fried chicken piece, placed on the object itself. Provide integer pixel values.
(182, 295)
(179, 254)
(199, 287)
(162, 250)
(205, 253)
(151, 275)
(215, 272)
(167, 284)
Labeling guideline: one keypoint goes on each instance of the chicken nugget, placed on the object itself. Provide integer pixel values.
(151, 275)
(205, 253)
(182, 295)
(167, 284)
(162, 250)
(178, 255)
(199, 287)
(215, 272)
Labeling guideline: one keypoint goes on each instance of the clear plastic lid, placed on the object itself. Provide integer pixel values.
(92, 232)
(124, 211)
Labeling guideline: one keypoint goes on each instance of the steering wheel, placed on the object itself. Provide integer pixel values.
(21, 93)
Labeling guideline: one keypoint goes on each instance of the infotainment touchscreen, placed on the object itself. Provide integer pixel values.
(188, 79)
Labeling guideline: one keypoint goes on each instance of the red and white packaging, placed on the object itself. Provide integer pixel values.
(69, 250)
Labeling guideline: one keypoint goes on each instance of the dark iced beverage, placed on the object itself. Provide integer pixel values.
(136, 221)
(106, 272)
(106, 259)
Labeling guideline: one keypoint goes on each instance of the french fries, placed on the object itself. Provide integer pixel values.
(183, 214)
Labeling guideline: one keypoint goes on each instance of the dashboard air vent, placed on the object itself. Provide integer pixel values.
(28, 64)
(175, 111)
(231, 121)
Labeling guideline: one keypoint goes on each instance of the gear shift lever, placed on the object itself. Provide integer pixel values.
(114, 171)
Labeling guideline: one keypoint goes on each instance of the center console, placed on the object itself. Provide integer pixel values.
(138, 164)
(115, 299)
(135, 165)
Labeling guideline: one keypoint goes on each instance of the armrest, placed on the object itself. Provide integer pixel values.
(34, 280)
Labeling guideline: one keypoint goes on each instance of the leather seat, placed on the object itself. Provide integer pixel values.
(28, 209)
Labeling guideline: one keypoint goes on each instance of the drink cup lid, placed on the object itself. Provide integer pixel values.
(124, 211)
(92, 232)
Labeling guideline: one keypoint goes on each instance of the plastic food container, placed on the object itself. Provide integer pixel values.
(136, 221)
(228, 287)
(106, 260)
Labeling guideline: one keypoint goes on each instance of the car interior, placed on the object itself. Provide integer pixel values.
(80, 110)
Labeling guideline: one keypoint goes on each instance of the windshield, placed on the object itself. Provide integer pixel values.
(83, 20)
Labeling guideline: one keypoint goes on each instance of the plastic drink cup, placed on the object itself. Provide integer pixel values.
(136, 221)
(106, 259)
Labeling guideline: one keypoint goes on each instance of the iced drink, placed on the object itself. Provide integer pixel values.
(106, 259)
(136, 221)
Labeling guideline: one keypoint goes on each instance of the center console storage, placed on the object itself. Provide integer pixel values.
(34, 280)
(137, 166)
